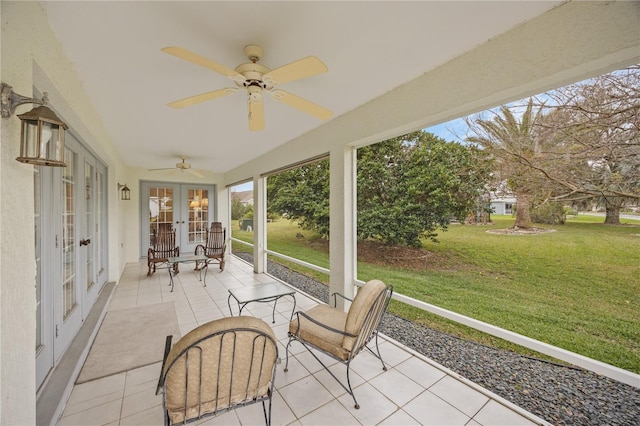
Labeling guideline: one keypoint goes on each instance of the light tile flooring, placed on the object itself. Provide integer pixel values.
(413, 391)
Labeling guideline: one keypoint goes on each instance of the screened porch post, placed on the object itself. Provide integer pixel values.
(342, 222)
(259, 224)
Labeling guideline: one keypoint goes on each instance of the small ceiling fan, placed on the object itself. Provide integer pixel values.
(256, 78)
(184, 167)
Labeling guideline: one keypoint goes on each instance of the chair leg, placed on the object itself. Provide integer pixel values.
(166, 417)
(286, 364)
(167, 349)
(267, 412)
(356, 406)
(346, 387)
(377, 355)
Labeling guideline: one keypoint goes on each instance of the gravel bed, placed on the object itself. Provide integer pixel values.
(562, 395)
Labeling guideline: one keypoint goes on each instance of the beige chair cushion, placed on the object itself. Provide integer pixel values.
(247, 382)
(360, 307)
(351, 322)
(324, 339)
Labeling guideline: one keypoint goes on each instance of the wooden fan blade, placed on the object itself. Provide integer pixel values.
(192, 100)
(302, 68)
(194, 172)
(302, 104)
(256, 113)
(156, 170)
(187, 55)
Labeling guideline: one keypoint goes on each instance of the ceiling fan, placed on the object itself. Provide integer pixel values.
(256, 79)
(184, 167)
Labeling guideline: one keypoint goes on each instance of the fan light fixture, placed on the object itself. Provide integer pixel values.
(42, 132)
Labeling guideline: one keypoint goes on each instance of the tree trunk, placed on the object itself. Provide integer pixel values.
(613, 215)
(523, 219)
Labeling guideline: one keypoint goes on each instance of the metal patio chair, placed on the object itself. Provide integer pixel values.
(214, 247)
(217, 367)
(343, 335)
(163, 246)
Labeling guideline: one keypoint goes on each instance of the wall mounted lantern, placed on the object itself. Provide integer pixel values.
(42, 132)
(125, 192)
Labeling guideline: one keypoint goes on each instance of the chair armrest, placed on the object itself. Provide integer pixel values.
(167, 349)
(318, 323)
(200, 249)
(335, 302)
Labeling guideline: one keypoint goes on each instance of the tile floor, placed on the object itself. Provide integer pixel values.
(413, 391)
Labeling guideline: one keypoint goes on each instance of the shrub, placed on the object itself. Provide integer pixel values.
(548, 213)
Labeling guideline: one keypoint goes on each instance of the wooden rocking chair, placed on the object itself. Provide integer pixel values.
(215, 246)
(163, 246)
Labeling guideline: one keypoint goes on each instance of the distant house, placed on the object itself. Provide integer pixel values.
(245, 197)
(502, 205)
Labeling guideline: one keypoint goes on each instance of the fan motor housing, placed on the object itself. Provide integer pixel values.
(253, 73)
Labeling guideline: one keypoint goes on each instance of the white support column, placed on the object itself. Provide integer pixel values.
(342, 222)
(259, 224)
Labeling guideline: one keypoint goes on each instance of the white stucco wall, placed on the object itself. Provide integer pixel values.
(32, 57)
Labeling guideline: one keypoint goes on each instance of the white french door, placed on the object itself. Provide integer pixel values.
(183, 207)
(71, 249)
(92, 242)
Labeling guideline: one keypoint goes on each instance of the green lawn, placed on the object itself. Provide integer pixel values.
(577, 288)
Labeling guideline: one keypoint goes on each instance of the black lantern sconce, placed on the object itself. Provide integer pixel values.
(125, 192)
(42, 132)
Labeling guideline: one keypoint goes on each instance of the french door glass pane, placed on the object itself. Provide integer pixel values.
(99, 231)
(160, 210)
(68, 234)
(198, 208)
(37, 209)
(88, 212)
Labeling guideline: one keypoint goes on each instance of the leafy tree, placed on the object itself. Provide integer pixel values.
(237, 208)
(302, 194)
(581, 144)
(410, 186)
(595, 128)
(512, 142)
(407, 187)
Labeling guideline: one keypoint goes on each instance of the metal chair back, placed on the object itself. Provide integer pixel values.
(217, 367)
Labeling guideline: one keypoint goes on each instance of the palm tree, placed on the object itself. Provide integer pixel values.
(513, 145)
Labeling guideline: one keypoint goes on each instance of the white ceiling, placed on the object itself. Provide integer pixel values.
(369, 48)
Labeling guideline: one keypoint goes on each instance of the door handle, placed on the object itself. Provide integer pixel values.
(85, 242)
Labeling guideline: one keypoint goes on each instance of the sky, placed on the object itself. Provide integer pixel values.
(451, 131)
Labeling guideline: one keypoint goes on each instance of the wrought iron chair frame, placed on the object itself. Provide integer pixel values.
(367, 331)
(260, 339)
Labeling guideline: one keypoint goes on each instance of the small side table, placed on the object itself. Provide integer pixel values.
(188, 259)
(263, 293)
